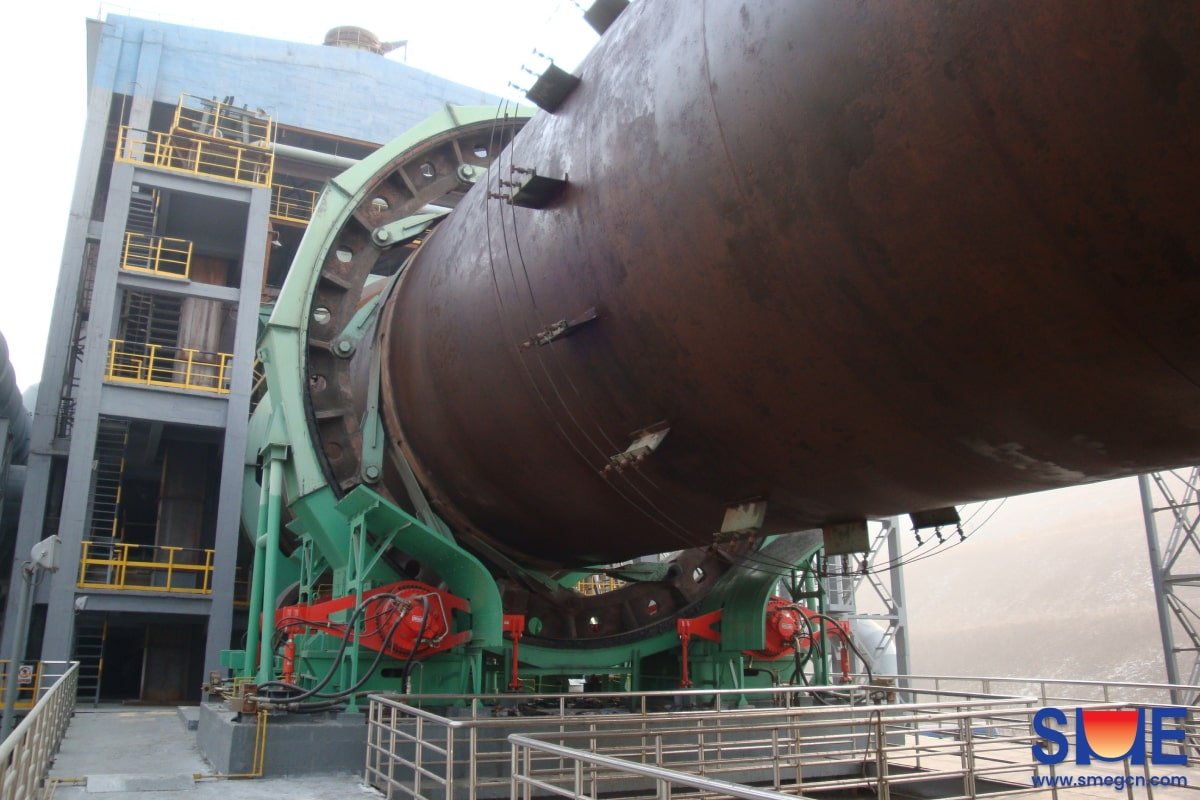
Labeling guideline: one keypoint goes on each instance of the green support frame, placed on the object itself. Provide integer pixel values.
(348, 537)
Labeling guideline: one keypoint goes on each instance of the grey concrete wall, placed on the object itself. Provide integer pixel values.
(297, 744)
(236, 428)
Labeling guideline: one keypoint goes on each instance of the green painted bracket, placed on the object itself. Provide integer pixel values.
(406, 228)
(373, 440)
(282, 349)
(464, 575)
(746, 588)
(581, 660)
(360, 324)
(573, 577)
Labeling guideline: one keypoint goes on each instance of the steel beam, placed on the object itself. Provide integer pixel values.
(1170, 504)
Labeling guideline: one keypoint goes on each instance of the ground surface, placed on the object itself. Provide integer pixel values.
(148, 754)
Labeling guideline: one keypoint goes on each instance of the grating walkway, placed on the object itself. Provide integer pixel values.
(114, 753)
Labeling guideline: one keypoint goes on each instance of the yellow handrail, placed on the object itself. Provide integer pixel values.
(157, 255)
(220, 120)
(169, 367)
(598, 584)
(27, 692)
(145, 568)
(292, 204)
(194, 155)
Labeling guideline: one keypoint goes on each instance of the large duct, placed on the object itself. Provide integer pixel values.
(11, 407)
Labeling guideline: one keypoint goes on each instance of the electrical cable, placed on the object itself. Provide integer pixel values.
(352, 690)
(315, 691)
(904, 560)
(845, 635)
(408, 662)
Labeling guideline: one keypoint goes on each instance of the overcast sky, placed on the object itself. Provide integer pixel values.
(481, 43)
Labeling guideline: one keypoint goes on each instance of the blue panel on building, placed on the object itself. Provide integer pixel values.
(344, 92)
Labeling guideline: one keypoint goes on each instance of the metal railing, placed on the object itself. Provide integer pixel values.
(221, 120)
(157, 255)
(193, 155)
(29, 682)
(1058, 691)
(782, 739)
(906, 750)
(292, 204)
(26, 754)
(598, 584)
(154, 365)
(664, 779)
(416, 753)
(145, 568)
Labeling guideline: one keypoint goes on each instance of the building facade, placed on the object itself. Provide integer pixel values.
(203, 155)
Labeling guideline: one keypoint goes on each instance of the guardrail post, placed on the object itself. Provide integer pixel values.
(1129, 781)
(150, 367)
(418, 756)
(775, 771)
(121, 553)
(512, 771)
(884, 789)
(208, 570)
(968, 756)
(527, 764)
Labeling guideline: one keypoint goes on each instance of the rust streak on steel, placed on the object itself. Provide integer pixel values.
(861, 258)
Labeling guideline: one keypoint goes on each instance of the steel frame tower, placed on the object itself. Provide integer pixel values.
(1171, 503)
(845, 578)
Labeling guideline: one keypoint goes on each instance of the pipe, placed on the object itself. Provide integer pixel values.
(253, 620)
(12, 407)
(266, 658)
(340, 163)
(17, 654)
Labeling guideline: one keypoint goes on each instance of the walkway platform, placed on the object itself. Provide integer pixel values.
(118, 753)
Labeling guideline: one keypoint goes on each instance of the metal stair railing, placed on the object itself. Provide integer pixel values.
(26, 755)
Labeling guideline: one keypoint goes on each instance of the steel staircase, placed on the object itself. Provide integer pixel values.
(103, 531)
(91, 631)
(143, 211)
(150, 319)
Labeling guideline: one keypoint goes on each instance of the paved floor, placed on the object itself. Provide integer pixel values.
(148, 754)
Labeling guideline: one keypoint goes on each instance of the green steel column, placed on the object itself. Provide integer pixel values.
(256, 581)
(358, 535)
(266, 658)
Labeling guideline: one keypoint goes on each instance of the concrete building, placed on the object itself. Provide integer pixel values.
(202, 158)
